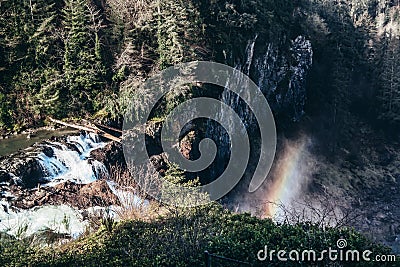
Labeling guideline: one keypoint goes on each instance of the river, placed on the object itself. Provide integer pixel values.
(21, 141)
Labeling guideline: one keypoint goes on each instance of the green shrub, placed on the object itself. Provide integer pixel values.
(181, 239)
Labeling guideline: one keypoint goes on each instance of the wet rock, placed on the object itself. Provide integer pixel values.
(282, 78)
(112, 154)
(80, 196)
(160, 163)
(189, 145)
(26, 168)
(48, 151)
(4, 176)
(73, 147)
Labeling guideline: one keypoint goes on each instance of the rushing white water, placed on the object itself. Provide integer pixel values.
(60, 219)
(69, 161)
(61, 162)
(67, 164)
(127, 196)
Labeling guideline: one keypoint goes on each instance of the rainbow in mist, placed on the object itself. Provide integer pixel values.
(290, 174)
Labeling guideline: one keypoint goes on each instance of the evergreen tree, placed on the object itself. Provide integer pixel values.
(46, 77)
(26, 45)
(178, 31)
(83, 68)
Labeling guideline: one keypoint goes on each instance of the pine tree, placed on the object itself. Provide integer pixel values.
(26, 39)
(178, 29)
(83, 68)
(46, 74)
(30, 59)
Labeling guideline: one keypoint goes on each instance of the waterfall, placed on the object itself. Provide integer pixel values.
(70, 161)
(232, 100)
(281, 76)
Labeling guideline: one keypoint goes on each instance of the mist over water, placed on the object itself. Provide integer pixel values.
(286, 184)
(290, 176)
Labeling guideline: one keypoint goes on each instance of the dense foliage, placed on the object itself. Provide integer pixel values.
(181, 240)
(51, 60)
(82, 57)
(85, 58)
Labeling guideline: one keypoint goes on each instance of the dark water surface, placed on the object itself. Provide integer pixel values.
(21, 141)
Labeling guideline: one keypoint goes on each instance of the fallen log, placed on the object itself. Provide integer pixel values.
(108, 128)
(92, 129)
(111, 137)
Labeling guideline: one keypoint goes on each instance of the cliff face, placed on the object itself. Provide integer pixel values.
(275, 54)
(282, 78)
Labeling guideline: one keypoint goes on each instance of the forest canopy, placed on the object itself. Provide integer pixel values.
(84, 58)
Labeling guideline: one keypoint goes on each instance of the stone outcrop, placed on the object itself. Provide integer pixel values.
(22, 169)
(111, 155)
(80, 196)
(23, 174)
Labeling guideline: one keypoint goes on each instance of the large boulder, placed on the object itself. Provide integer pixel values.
(81, 196)
(110, 155)
(26, 169)
(4, 176)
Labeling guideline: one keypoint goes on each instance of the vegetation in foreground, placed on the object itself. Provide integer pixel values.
(181, 238)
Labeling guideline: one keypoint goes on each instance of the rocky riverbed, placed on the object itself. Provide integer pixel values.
(73, 175)
(65, 174)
